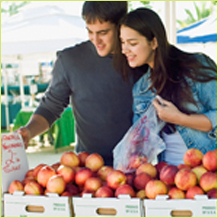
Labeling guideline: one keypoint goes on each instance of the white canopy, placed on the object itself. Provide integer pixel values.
(201, 32)
(35, 34)
(40, 30)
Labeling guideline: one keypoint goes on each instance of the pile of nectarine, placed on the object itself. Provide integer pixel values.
(76, 174)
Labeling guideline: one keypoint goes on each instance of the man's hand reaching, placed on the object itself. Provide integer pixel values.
(25, 133)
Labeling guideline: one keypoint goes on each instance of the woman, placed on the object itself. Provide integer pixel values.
(187, 84)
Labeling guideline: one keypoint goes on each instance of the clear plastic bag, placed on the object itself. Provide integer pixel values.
(141, 143)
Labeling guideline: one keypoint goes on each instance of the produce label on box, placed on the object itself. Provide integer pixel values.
(50, 205)
(209, 210)
(124, 206)
(14, 164)
(201, 206)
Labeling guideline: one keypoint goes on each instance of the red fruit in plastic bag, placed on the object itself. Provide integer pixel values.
(136, 160)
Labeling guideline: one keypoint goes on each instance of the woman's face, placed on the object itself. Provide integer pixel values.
(137, 49)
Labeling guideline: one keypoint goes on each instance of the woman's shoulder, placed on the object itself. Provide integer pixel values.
(206, 60)
(179, 55)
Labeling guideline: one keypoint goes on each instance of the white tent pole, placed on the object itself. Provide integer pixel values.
(6, 96)
(21, 83)
(170, 20)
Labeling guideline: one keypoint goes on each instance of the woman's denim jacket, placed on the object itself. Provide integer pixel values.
(206, 96)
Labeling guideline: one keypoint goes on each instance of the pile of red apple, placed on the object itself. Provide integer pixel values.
(81, 173)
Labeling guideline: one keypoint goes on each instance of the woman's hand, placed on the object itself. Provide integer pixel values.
(167, 112)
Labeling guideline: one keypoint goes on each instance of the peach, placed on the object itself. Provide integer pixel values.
(212, 194)
(116, 178)
(170, 186)
(135, 160)
(93, 184)
(147, 168)
(183, 166)
(72, 189)
(104, 171)
(66, 193)
(94, 162)
(36, 170)
(160, 165)
(82, 175)
(176, 193)
(44, 174)
(82, 158)
(199, 171)
(168, 173)
(55, 166)
(56, 184)
(193, 157)
(27, 180)
(154, 188)
(76, 169)
(125, 190)
(70, 159)
(46, 191)
(185, 179)
(195, 190)
(33, 188)
(29, 173)
(130, 178)
(141, 194)
(80, 188)
(104, 192)
(15, 185)
(208, 181)
(85, 191)
(66, 172)
(141, 180)
(210, 161)
(104, 183)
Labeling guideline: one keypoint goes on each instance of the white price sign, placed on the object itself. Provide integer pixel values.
(14, 163)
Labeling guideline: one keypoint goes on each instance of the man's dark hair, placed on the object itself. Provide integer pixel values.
(102, 11)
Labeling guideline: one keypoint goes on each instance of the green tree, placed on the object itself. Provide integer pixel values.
(144, 3)
(202, 11)
(13, 7)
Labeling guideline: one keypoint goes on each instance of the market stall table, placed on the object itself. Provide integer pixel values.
(63, 129)
(16, 89)
(13, 109)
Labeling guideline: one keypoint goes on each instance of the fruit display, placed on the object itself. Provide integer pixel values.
(76, 174)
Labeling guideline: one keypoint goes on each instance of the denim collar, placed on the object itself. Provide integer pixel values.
(145, 83)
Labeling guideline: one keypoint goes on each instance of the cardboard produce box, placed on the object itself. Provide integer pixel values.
(14, 166)
(20, 205)
(124, 206)
(164, 207)
(2, 206)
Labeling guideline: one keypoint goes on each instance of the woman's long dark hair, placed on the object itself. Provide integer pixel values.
(172, 66)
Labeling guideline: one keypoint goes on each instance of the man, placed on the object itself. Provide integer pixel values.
(101, 100)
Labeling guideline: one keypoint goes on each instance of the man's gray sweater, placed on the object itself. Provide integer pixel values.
(101, 100)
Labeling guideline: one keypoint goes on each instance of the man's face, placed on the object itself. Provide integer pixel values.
(102, 35)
